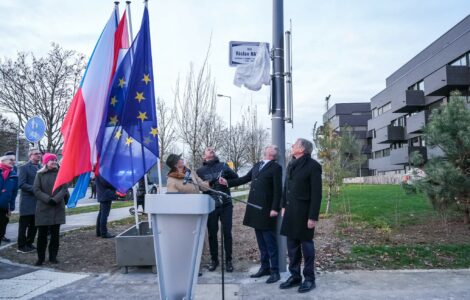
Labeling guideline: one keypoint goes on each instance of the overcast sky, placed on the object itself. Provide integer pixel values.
(343, 48)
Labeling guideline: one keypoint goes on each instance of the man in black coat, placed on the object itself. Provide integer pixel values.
(301, 202)
(265, 191)
(106, 194)
(26, 228)
(211, 170)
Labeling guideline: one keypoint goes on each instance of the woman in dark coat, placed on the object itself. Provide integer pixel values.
(50, 208)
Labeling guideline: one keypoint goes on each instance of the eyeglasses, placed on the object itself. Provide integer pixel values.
(38, 153)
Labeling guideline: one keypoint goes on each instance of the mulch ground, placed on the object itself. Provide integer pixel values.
(81, 251)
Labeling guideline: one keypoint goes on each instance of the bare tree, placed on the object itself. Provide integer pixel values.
(257, 136)
(239, 145)
(194, 103)
(42, 86)
(166, 129)
(214, 134)
(9, 137)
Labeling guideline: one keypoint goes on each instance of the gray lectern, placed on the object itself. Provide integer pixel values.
(179, 223)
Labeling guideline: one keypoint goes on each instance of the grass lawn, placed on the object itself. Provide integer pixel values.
(380, 205)
(410, 257)
(373, 209)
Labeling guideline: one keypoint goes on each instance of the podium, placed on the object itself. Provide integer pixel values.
(178, 223)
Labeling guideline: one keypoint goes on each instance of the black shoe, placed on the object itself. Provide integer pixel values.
(53, 260)
(4, 239)
(32, 247)
(229, 266)
(25, 249)
(307, 286)
(291, 282)
(39, 263)
(107, 235)
(261, 272)
(213, 265)
(274, 277)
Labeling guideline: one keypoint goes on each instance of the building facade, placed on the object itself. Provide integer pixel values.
(400, 111)
(353, 117)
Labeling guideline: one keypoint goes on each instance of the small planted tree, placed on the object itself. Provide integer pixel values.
(340, 154)
(447, 179)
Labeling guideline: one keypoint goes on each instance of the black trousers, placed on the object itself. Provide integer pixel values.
(102, 219)
(4, 219)
(267, 244)
(53, 243)
(295, 250)
(26, 231)
(224, 214)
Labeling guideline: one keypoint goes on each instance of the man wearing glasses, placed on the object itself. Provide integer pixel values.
(26, 228)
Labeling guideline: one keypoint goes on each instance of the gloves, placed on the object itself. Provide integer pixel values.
(52, 202)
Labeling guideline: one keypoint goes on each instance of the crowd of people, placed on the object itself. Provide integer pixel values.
(42, 210)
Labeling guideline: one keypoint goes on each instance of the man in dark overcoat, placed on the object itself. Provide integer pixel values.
(26, 224)
(265, 191)
(301, 202)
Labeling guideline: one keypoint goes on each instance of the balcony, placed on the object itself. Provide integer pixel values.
(390, 134)
(416, 123)
(401, 156)
(446, 79)
(412, 101)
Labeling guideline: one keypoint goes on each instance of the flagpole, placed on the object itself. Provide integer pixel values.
(116, 7)
(134, 189)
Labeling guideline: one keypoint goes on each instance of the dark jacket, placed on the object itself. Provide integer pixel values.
(47, 214)
(105, 192)
(265, 191)
(210, 172)
(8, 190)
(301, 197)
(26, 176)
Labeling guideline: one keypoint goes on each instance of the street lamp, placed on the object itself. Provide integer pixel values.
(230, 124)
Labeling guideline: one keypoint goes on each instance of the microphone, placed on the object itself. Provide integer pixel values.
(187, 177)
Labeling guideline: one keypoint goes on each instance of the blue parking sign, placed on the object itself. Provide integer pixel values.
(34, 129)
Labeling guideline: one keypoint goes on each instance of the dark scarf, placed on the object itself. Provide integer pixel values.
(296, 164)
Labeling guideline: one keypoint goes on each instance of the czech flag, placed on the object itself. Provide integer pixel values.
(83, 119)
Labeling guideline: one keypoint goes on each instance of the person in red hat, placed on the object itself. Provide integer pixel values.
(50, 208)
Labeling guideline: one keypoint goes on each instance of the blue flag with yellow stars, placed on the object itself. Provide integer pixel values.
(129, 134)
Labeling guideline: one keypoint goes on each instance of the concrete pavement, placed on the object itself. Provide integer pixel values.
(140, 283)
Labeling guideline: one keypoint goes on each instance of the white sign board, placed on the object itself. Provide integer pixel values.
(241, 53)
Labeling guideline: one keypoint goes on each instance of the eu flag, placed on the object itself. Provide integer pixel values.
(129, 146)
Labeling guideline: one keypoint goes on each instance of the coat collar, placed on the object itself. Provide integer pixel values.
(257, 171)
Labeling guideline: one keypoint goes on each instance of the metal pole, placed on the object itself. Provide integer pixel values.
(18, 142)
(277, 109)
(230, 131)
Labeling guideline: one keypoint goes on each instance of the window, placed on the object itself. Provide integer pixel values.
(461, 61)
(374, 113)
(418, 86)
(387, 107)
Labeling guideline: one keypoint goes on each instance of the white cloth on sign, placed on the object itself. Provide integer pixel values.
(256, 73)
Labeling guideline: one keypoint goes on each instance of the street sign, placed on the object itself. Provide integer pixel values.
(34, 129)
(241, 53)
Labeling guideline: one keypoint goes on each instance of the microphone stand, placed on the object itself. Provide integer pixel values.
(222, 194)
